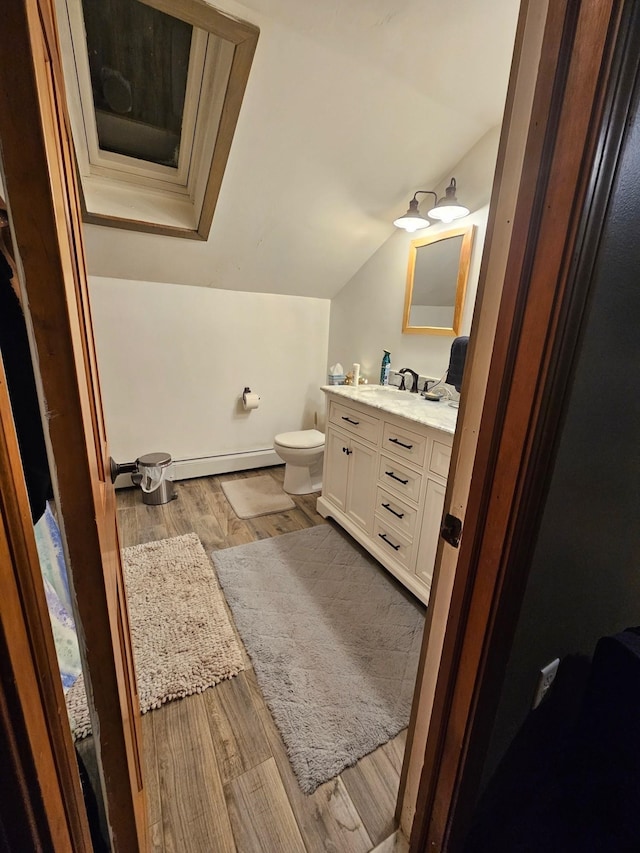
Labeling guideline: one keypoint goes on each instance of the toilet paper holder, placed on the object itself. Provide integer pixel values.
(249, 399)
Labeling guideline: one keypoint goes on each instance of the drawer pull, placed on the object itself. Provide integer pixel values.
(397, 514)
(397, 441)
(349, 421)
(393, 477)
(384, 536)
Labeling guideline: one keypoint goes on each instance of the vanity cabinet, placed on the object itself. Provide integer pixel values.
(433, 509)
(350, 469)
(384, 481)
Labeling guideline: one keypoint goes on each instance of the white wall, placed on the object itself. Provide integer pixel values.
(366, 316)
(173, 362)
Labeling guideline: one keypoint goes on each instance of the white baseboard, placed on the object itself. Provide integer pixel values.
(186, 469)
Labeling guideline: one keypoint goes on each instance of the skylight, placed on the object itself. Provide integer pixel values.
(154, 91)
(138, 61)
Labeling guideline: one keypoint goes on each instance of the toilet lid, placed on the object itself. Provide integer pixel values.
(302, 439)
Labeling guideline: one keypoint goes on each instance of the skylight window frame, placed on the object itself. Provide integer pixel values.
(178, 201)
(112, 164)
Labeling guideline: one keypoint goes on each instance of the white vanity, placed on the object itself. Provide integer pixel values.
(386, 461)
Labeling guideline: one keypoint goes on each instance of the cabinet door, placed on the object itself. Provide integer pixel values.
(433, 508)
(362, 475)
(336, 469)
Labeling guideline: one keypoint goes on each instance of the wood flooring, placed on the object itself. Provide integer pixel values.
(216, 772)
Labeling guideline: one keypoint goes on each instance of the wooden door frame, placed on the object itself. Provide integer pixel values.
(522, 130)
(42, 806)
(40, 178)
(543, 304)
(518, 426)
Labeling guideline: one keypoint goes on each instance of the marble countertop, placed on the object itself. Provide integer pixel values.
(414, 407)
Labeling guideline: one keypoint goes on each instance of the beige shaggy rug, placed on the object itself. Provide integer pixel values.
(253, 496)
(183, 641)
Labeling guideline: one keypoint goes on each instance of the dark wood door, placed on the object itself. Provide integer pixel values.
(44, 209)
(570, 148)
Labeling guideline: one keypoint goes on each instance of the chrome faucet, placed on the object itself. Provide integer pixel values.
(414, 379)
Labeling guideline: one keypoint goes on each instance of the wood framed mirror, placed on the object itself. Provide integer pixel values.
(437, 281)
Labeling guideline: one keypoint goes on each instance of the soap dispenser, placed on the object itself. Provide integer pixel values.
(385, 367)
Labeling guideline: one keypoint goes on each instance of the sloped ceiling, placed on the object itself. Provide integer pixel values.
(351, 106)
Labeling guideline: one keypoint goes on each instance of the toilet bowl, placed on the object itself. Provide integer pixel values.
(302, 451)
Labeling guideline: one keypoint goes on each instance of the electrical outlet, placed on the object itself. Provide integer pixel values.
(545, 680)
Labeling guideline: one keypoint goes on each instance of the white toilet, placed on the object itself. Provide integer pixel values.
(302, 451)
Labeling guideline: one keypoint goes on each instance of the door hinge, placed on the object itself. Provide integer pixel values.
(451, 530)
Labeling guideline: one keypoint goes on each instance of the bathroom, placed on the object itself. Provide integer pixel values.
(182, 327)
(200, 346)
(188, 351)
(270, 300)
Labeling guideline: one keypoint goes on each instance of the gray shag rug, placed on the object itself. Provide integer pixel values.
(334, 641)
(183, 640)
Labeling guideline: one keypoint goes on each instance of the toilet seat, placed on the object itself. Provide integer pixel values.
(302, 439)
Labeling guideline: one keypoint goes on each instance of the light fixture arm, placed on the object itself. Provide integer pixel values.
(413, 205)
(424, 192)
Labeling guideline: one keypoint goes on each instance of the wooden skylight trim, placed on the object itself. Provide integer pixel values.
(123, 192)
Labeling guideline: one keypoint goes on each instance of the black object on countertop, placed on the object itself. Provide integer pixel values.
(457, 359)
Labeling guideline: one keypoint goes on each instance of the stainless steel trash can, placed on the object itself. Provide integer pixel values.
(165, 492)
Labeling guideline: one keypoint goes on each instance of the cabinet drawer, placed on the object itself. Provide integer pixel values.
(394, 544)
(399, 478)
(364, 426)
(409, 445)
(440, 459)
(396, 512)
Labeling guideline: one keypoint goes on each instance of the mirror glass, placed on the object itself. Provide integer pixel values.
(436, 282)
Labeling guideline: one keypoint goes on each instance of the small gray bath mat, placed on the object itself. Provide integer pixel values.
(253, 496)
(334, 641)
(183, 640)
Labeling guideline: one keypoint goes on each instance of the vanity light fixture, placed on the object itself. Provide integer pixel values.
(413, 220)
(446, 210)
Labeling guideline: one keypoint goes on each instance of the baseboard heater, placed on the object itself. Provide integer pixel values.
(224, 463)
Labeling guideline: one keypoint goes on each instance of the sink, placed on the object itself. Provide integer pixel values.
(387, 389)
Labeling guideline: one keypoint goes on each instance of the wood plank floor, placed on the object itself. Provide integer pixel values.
(216, 770)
